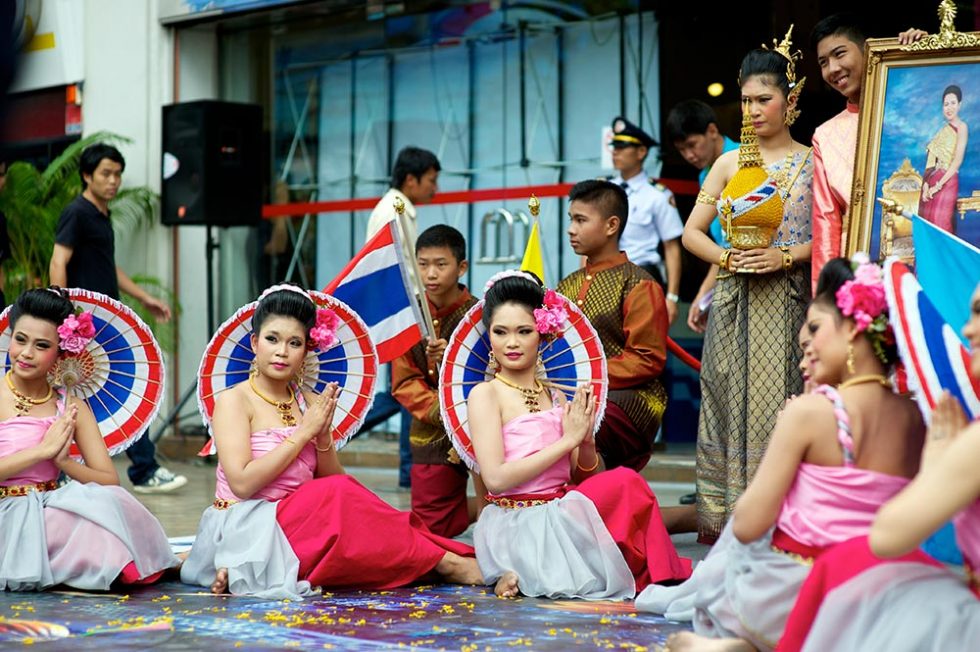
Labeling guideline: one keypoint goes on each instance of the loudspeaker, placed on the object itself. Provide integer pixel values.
(212, 164)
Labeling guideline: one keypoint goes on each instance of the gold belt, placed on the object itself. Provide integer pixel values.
(24, 489)
(509, 503)
(221, 503)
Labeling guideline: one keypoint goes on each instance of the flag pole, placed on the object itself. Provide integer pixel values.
(430, 329)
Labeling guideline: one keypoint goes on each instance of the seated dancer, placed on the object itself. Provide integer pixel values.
(836, 455)
(87, 533)
(879, 592)
(626, 307)
(285, 517)
(541, 535)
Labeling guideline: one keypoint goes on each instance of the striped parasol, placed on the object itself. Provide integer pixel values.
(934, 356)
(570, 360)
(352, 363)
(119, 373)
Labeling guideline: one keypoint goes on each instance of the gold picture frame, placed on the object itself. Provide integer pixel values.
(903, 123)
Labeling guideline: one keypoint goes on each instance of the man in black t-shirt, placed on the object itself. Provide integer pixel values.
(85, 257)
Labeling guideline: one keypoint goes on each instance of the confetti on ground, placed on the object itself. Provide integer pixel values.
(175, 616)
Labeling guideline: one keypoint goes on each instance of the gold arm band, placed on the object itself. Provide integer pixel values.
(787, 258)
(724, 260)
(705, 198)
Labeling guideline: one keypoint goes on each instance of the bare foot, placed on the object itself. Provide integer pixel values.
(459, 570)
(689, 641)
(507, 585)
(220, 584)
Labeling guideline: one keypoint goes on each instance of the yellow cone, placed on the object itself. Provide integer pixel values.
(533, 257)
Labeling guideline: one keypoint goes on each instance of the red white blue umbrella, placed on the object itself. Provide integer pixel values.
(572, 359)
(351, 362)
(119, 373)
(934, 356)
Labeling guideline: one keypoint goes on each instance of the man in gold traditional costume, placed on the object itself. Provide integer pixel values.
(626, 306)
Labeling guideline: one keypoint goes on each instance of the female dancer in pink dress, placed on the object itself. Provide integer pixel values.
(89, 532)
(285, 517)
(879, 592)
(835, 456)
(944, 156)
(541, 535)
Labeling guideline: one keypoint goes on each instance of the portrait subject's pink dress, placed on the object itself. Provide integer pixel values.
(940, 209)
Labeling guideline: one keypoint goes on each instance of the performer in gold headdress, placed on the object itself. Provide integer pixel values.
(749, 367)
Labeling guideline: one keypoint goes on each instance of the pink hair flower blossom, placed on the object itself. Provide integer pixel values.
(324, 333)
(550, 319)
(75, 332)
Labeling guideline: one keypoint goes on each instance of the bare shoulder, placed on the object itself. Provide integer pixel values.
(807, 411)
(483, 393)
(232, 399)
(728, 160)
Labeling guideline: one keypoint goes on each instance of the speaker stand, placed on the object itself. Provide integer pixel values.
(210, 245)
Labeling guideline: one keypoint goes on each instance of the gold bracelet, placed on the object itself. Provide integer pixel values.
(591, 468)
(287, 440)
(787, 258)
(723, 261)
(324, 450)
(705, 198)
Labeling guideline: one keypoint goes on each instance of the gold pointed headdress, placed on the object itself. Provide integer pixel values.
(785, 48)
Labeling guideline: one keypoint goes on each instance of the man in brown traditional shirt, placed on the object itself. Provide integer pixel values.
(626, 306)
(438, 476)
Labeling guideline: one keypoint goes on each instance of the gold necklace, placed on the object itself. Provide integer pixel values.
(284, 408)
(866, 378)
(530, 395)
(24, 403)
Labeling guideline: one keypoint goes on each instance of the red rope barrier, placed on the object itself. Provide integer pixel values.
(683, 355)
(677, 186)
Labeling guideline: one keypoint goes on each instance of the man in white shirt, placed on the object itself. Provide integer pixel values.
(653, 216)
(414, 180)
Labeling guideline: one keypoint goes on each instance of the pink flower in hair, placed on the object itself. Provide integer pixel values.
(75, 332)
(550, 319)
(324, 334)
(864, 302)
(86, 327)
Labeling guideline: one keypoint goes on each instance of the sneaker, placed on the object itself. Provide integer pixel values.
(162, 481)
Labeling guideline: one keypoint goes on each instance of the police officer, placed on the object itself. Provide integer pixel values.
(653, 216)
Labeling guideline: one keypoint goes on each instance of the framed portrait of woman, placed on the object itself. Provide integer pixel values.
(918, 142)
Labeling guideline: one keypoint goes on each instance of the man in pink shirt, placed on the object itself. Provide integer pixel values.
(838, 41)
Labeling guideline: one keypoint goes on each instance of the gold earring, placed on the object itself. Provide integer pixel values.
(492, 363)
(793, 113)
(850, 358)
(540, 371)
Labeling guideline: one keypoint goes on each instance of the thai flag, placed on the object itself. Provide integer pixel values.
(377, 286)
(934, 356)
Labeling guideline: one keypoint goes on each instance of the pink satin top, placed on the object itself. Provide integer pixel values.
(525, 435)
(300, 470)
(18, 433)
(831, 504)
